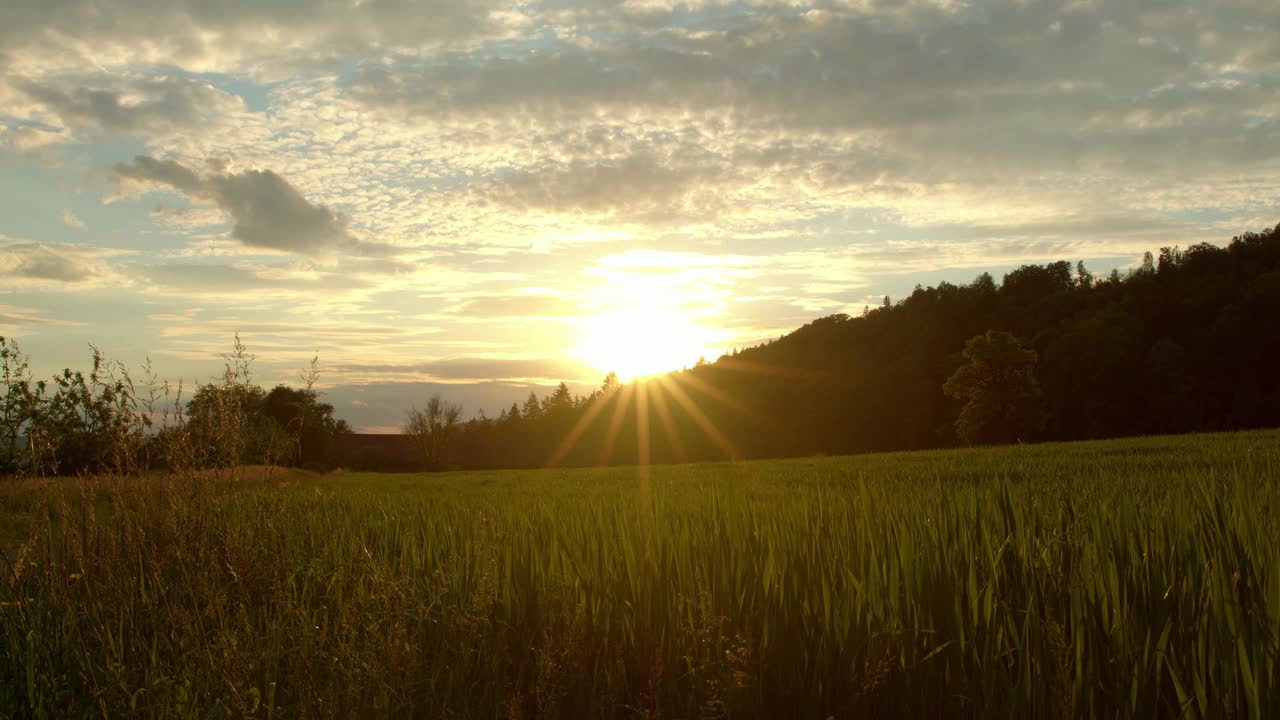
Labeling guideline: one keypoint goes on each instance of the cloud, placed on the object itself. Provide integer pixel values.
(144, 170)
(940, 92)
(16, 320)
(26, 264)
(266, 210)
(130, 105)
(517, 306)
(527, 169)
(70, 220)
(638, 187)
(216, 279)
(270, 213)
(238, 35)
(31, 140)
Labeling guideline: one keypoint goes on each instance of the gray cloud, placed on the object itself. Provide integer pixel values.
(147, 169)
(61, 264)
(935, 94)
(132, 106)
(271, 213)
(823, 72)
(266, 210)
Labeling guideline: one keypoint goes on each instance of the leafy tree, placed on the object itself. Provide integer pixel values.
(1168, 387)
(17, 403)
(226, 422)
(88, 423)
(309, 423)
(228, 426)
(1084, 278)
(611, 383)
(1003, 402)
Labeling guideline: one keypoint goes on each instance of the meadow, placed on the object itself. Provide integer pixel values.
(1127, 578)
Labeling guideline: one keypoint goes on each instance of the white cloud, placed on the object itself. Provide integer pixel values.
(75, 223)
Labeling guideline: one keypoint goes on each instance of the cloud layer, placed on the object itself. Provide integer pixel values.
(444, 191)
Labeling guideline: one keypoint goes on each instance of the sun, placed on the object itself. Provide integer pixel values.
(640, 339)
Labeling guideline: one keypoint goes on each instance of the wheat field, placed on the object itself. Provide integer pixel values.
(1127, 578)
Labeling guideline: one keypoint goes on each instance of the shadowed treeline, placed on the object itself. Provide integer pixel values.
(1186, 342)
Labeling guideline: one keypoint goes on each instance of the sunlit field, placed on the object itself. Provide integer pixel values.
(1119, 579)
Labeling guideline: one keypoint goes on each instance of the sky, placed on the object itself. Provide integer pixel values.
(483, 198)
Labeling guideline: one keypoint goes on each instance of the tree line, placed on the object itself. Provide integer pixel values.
(1187, 341)
(106, 421)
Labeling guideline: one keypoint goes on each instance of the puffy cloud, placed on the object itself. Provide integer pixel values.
(940, 92)
(266, 210)
(29, 139)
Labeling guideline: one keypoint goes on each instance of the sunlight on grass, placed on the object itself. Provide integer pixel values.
(1121, 578)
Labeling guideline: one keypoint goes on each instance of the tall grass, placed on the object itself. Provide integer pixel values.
(1136, 578)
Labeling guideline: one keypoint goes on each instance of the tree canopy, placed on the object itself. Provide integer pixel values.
(1003, 402)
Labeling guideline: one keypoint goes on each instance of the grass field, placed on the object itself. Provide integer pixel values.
(1133, 578)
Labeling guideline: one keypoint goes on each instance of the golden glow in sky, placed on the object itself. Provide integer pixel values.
(644, 339)
(487, 196)
(652, 313)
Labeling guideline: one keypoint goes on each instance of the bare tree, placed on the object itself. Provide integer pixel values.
(431, 428)
(309, 376)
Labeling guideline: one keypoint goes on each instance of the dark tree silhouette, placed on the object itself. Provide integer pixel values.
(309, 422)
(1003, 401)
(432, 428)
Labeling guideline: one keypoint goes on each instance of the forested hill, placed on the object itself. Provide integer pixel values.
(1188, 341)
